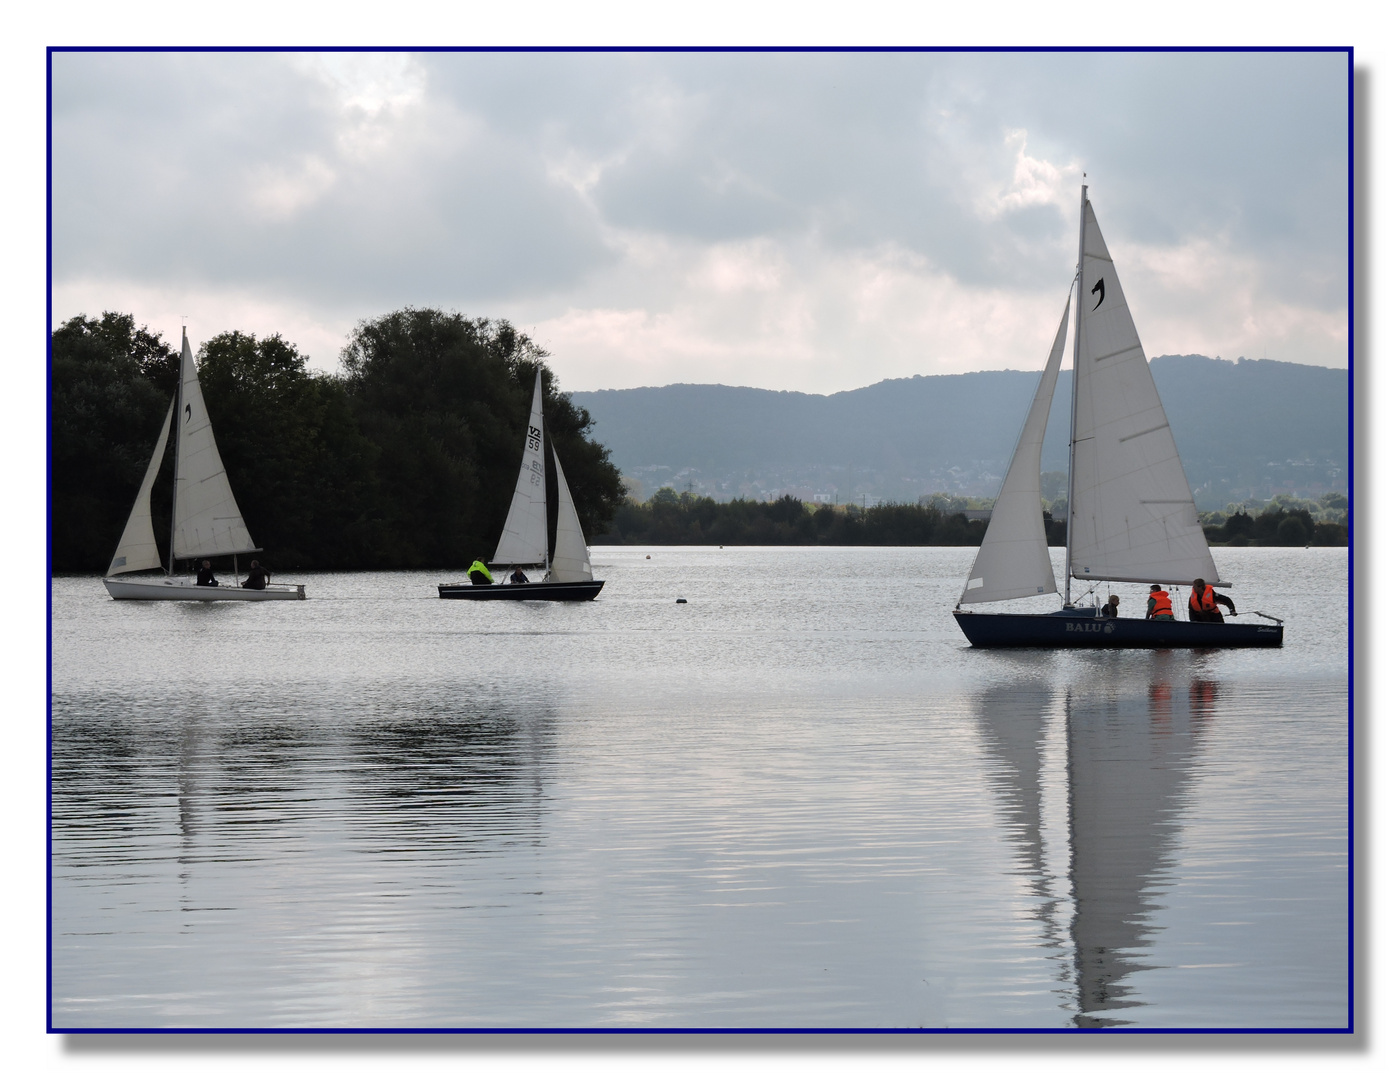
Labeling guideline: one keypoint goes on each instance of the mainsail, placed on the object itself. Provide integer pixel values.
(1013, 559)
(1132, 517)
(137, 548)
(525, 538)
(571, 562)
(207, 521)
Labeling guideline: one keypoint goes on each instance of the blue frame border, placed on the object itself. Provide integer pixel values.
(1104, 1032)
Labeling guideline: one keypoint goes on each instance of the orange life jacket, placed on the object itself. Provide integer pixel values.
(1205, 601)
(1161, 604)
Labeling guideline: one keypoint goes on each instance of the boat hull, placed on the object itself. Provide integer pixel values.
(186, 590)
(1078, 631)
(531, 590)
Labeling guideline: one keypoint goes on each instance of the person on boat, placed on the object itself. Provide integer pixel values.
(1204, 602)
(1110, 609)
(206, 575)
(517, 576)
(1159, 604)
(479, 574)
(258, 577)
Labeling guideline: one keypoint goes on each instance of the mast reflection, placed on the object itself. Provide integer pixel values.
(1126, 758)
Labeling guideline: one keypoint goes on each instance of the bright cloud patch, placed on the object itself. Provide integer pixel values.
(796, 221)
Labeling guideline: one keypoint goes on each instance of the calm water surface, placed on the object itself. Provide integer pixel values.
(798, 800)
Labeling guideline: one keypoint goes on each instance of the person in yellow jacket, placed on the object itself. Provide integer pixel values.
(479, 574)
(1159, 604)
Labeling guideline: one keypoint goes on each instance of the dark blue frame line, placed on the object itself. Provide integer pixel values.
(715, 48)
(1350, 1027)
(1351, 540)
(48, 538)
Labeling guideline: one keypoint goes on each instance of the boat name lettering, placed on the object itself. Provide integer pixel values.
(1089, 627)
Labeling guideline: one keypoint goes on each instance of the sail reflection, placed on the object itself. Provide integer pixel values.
(450, 770)
(1108, 772)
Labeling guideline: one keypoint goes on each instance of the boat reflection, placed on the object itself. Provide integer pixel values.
(1091, 786)
(451, 771)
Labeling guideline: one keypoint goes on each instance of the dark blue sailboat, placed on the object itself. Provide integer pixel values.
(568, 573)
(1131, 515)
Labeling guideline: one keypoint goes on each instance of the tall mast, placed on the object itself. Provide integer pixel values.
(1074, 391)
(175, 487)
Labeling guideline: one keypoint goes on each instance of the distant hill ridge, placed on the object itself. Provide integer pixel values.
(1238, 426)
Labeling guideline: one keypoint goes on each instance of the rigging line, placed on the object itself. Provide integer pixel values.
(1140, 434)
(1120, 352)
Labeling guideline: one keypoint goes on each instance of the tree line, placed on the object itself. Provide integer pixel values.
(1275, 527)
(940, 520)
(407, 457)
(671, 518)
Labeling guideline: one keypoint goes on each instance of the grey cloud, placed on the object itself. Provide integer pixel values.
(154, 155)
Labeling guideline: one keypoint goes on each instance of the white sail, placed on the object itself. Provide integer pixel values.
(1013, 559)
(571, 562)
(525, 538)
(207, 520)
(137, 548)
(1132, 517)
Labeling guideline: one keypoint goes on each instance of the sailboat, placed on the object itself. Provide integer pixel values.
(1131, 516)
(525, 538)
(204, 518)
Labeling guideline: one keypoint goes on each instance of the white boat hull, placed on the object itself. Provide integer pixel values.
(186, 589)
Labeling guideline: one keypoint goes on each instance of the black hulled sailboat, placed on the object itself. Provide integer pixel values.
(1131, 516)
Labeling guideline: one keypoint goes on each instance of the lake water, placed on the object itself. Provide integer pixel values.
(798, 800)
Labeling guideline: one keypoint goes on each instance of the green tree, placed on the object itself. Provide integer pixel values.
(445, 400)
(299, 467)
(106, 413)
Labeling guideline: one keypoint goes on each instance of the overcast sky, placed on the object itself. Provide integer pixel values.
(799, 221)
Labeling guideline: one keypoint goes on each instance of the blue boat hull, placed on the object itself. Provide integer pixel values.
(1080, 630)
(531, 590)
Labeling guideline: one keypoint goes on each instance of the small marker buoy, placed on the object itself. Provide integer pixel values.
(648, 556)
(680, 600)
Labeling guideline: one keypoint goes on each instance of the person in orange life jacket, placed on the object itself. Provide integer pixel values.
(1159, 604)
(1203, 602)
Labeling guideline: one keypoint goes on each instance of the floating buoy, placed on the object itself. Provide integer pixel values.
(680, 600)
(648, 556)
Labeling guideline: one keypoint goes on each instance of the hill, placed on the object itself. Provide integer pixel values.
(1245, 429)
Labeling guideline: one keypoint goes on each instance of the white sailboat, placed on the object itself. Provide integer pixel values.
(205, 520)
(1131, 515)
(525, 538)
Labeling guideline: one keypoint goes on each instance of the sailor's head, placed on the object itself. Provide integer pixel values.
(1155, 588)
(1112, 598)
(206, 564)
(255, 562)
(1199, 584)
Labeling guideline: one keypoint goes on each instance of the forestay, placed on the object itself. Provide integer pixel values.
(571, 561)
(1013, 559)
(207, 520)
(1132, 517)
(525, 538)
(137, 548)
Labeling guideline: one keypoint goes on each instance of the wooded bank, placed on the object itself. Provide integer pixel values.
(406, 458)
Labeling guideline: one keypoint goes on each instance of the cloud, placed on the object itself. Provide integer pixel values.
(796, 220)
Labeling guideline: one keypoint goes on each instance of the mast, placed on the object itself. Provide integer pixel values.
(175, 486)
(1074, 392)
